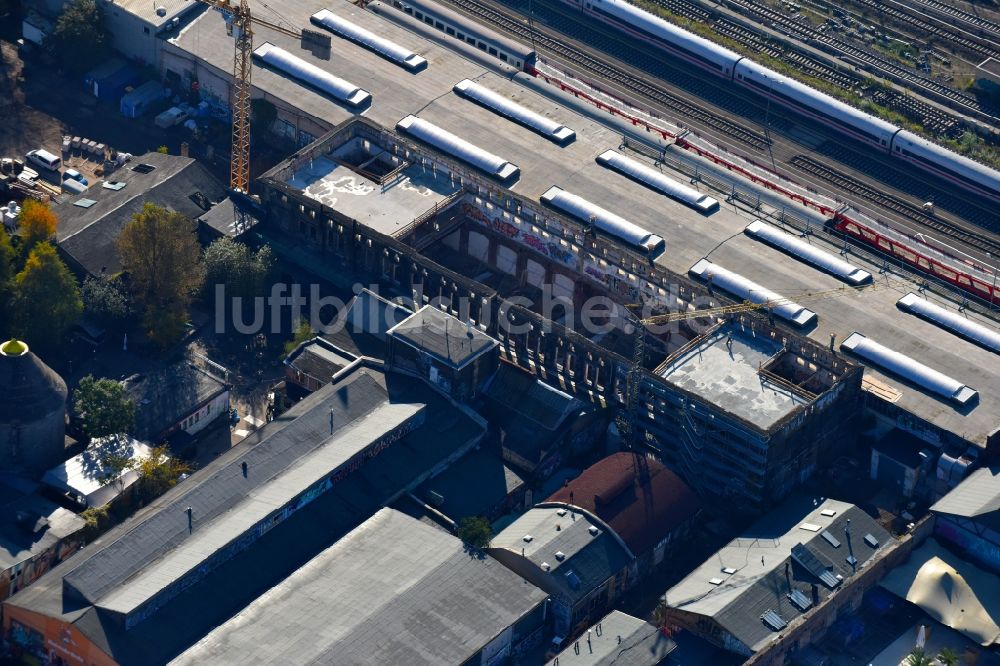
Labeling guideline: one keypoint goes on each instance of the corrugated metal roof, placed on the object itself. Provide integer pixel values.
(976, 496)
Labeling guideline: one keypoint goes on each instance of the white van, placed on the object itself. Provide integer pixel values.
(45, 160)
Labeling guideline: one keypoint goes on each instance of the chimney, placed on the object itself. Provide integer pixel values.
(245, 468)
(184, 149)
(833, 341)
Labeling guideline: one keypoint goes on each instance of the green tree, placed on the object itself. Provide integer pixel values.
(106, 300)
(8, 257)
(947, 656)
(244, 273)
(160, 252)
(475, 531)
(303, 332)
(115, 466)
(918, 657)
(159, 472)
(103, 407)
(46, 298)
(96, 521)
(80, 37)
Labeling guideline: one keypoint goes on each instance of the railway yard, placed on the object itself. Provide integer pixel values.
(822, 166)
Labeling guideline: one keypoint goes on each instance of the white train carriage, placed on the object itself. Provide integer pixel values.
(808, 101)
(951, 166)
(604, 220)
(653, 29)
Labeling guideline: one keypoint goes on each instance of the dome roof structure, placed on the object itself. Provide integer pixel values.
(31, 390)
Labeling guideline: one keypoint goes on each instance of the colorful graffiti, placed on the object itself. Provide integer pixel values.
(598, 275)
(505, 228)
(559, 254)
(535, 243)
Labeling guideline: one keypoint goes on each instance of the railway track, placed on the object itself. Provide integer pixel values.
(930, 117)
(971, 20)
(907, 16)
(807, 34)
(573, 55)
(863, 190)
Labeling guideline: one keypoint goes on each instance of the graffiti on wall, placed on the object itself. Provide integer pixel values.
(550, 249)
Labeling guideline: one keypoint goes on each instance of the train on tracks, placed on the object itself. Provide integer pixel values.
(897, 142)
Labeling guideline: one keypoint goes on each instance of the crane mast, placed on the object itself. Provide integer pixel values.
(239, 167)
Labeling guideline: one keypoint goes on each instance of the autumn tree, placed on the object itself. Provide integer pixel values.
(159, 472)
(46, 298)
(160, 252)
(103, 407)
(80, 37)
(37, 223)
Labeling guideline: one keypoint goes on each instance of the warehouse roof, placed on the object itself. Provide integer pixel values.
(617, 640)
(641, 503)
(319, 359)
(533, 399)
(158, 546)
(29, 523)
(777, 565)
(393, 591)
(570, 551)
(443, 336)
(88, 231)
(165, 396)
(976, 497)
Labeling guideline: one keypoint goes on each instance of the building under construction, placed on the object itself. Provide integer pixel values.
(737, 404)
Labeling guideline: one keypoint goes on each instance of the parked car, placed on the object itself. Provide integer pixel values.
(73, 174)
(45, 160)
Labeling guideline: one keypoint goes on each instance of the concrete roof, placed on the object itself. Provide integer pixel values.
(765, 572)
(147, 10)
(443, 336)
(689, 235)
(29, 523)
(590, 553)
(89, 234)
(387, 210)
(393, 591)
(951, 590)
(728, 376)
(317, 358)
(617, 639)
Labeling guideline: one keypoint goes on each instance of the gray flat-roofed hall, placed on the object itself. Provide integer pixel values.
(393, 591)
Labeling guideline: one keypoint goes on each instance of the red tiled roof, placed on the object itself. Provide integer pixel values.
(642, 512)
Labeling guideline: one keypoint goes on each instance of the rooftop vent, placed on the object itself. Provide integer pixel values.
(161, 11)
(810, 527)
(774, 621)
(144, 168)
(829, 513)
(546, 566)
(527, 538)
(853, 561)
(561, 512)
(593, 530)
(715, 581)
(560, 555)
(729, 571)
(799, 600)
(871, 541)
(574, 580)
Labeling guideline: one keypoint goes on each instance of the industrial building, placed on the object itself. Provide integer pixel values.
(798, 558)
(151, 588)
(364, 191)
(968, 518)
(394, 590)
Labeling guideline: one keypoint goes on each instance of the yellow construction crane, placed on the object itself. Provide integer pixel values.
(239, 25)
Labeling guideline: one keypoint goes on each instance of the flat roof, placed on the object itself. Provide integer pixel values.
(393, 591)
(387, 210)
(29, 523)
(617, 639)
(727, 375)
(443, 336)
(688, 234)
(84, 475)
(148, 10)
